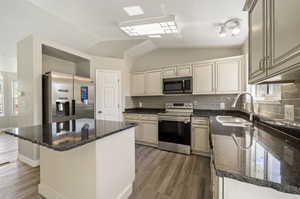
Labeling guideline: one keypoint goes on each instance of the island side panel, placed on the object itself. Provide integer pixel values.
(68, 174)
(116, 165)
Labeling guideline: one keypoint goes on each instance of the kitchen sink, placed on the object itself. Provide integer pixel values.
(232, 121)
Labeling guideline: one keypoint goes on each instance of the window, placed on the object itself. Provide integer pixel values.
(1, 96)
(266, 165)
(15, 95)
(266, 92)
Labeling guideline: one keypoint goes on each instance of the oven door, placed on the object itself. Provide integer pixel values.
(172, 86)
(174, 131)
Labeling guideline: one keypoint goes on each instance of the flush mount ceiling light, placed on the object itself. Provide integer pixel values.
(133, 10)
(150, 26)
(232, 26)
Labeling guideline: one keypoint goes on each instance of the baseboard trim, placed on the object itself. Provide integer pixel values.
(30, 162)
(125, 193)
(48, 192)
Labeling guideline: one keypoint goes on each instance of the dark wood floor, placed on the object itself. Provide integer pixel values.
(159, 174)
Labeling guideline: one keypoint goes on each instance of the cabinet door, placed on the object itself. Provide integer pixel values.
(257, 40)
(184, 71)
(200, 139)
(169, 72)
(228, 76)
(153, 83)
(138, 84)
(150, 132)
(228, 160)
(139, 132)
(285, 31)
(203, 78)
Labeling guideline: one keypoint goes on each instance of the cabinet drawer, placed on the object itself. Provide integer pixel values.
(131, 116)
(200, 121)
(149, 117)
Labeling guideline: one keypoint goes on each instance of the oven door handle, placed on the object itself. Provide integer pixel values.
(186, 121)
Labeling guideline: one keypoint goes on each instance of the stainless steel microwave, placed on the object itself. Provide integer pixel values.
(180, 85)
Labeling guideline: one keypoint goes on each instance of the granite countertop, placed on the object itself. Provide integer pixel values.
(262, 156)
(63, 136)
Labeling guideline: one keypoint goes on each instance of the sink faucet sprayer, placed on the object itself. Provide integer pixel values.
(251, 114)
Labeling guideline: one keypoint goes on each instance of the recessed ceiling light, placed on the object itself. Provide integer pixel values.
(150, 26)
(133, 10)
(154, 36)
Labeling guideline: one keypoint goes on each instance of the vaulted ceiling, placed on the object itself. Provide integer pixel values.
(92, 25)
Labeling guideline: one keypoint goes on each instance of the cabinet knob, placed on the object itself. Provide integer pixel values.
(99, 112)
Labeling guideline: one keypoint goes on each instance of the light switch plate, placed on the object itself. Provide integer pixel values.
(222, 105)
(289, 112)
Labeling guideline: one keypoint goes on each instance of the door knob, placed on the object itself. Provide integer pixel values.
(99, 111)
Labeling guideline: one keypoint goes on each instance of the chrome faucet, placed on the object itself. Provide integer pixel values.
(251, 114)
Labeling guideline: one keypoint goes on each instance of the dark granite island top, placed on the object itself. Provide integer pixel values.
(63, 136)
(261, 155)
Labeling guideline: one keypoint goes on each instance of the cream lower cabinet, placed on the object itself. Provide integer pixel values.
(227, 188)
(147, 128)
(150, 132)
(229, 160)
(200, 136)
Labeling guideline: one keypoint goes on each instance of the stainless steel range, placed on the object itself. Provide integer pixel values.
(174, 128)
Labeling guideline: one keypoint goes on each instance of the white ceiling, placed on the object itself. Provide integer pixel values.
(92, 25)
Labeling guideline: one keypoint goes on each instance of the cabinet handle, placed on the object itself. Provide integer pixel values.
(260, 63)
(267, 61)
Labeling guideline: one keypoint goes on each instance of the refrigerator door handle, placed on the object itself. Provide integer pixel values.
(73, 107)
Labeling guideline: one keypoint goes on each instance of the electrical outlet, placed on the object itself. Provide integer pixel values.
(289, 112)
(140, 104)
(195, 102)
(222, 105)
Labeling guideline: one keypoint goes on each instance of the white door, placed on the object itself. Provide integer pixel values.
(108, 95)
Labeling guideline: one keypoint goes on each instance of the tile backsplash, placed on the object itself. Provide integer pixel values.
(199, 101)
(290, 95)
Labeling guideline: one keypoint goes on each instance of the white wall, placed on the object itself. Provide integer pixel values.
(106, 63)
(59, 65)
(8, 63)
(168, 56)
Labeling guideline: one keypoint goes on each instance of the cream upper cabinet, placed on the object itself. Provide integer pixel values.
(228, 76)
(169, 72)
(257, 40)
(153, 82)
(138, 84)
(284, 36)
(184, 70)
(274, 45)
(203, 78)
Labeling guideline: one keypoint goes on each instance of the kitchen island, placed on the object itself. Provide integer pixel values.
(83, 158)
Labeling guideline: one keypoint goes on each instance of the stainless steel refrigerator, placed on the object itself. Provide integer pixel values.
(67, 97)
